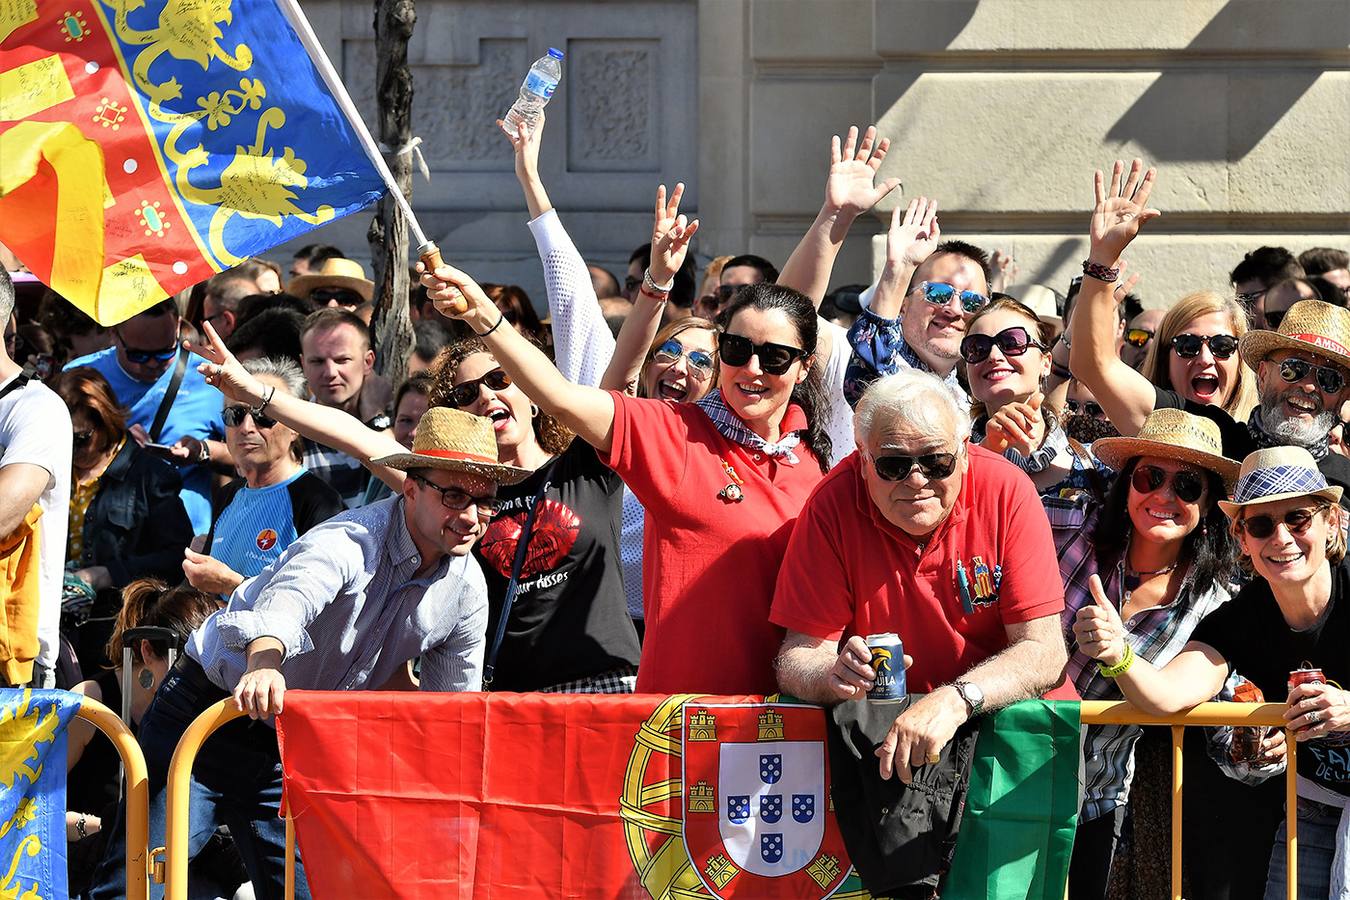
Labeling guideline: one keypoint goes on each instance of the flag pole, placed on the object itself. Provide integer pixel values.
(427, 250)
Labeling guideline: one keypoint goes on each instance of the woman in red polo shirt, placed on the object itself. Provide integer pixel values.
(722, 479)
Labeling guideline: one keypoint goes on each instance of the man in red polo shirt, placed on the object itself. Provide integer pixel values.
(946, 544)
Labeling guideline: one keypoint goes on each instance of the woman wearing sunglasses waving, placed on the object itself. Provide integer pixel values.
(277, 498)
(1161, 548)
(720, 479)
(1294, 615)
(1193, 356)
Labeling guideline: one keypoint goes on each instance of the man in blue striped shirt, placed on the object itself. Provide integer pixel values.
(344, 608)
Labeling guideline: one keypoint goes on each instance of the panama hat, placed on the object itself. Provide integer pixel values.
(1278, 473)
(335, 272)
(1172, 434)
(458, 442)
(1310, 326)
(1041, 300)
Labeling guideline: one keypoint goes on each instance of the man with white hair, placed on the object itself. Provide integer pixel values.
(922, 534)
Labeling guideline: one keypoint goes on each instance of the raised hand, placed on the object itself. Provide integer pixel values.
(525, 143)
(671, 234)
(913, 236)
(458, 296)
(851, 187)
(1126, 282)
(1005, 270)
(223, 371)
(1120, 209)
(1097, 628)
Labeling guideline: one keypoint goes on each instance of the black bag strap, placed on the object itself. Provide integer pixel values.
(14, 385)
(512, 587)
(162, 414)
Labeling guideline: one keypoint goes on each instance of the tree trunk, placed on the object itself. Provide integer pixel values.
(388, 234)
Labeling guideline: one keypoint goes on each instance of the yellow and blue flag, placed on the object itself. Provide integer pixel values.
(33, 791)
(147, 144)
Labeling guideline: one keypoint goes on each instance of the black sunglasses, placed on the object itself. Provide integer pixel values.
(1188, 486)
(1263, 526)
(1188, 346)
(774, 359)
(1014, 341)
(82, 438)
(725, 293)
(940, 293)
(340, 296)
(934, 466)
(145, 357)
(1251, 297)
(700, 361)
(1090, 407)
(456, 499)
(1138, 337)
(465, 394)
(1329, 378)
(234, 417)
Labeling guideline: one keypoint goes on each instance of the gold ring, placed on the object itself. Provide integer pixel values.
(934, 758)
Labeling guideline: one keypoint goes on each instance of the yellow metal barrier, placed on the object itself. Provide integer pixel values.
(1094, 712)
(138, 792)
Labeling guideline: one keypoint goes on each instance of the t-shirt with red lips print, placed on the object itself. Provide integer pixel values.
(570, 619)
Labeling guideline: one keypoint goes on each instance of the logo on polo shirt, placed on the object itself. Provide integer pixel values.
(266, 539)
(984, 583)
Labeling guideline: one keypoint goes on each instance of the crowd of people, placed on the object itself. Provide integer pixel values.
(717, 482)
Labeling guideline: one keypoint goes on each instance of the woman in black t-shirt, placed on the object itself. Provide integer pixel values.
(1295, 615)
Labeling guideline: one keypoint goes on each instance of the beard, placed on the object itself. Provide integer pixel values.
(1295, 431)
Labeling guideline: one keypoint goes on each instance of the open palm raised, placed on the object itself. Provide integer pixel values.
(851, 186)
(1120, 209)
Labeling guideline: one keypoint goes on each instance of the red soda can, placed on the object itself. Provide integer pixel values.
(1307, 675)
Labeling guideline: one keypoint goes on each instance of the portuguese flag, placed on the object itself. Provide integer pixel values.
(672, 798)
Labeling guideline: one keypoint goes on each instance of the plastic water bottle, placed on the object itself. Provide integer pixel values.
(535, 91)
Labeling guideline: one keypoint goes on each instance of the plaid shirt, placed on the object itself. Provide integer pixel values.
(1157, 635)
(879, 348)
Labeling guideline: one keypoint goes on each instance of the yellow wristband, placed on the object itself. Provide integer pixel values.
(1121, 667)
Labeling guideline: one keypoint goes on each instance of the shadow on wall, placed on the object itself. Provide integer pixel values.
(1252, 100)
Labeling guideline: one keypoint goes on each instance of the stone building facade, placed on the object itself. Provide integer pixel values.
(999, 108)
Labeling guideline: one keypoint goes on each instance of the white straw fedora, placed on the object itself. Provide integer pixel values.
(457, 441)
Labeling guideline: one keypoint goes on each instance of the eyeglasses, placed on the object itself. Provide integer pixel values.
(700, 361)
(465, 394)
(774, 359)
(1188, 346)
(933, 466)
(1015, 341)
(82, 438)
(341, 296)
(234, 417)
(1263, 526)
(1138, 337)
(456, 499)
(1274, 318)
(1329, 378)
(940, 293)
(1251, 297)
(1187, 485)
(1088, 407)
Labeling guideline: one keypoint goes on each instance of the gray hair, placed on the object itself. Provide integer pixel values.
(284, 369)
(6, 297)
(919, 399)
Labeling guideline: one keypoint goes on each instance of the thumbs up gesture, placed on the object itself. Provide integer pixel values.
(1019, 426)
(1098, 629)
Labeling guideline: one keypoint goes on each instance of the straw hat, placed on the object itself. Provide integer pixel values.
(1172, 434)
(1310, 326)
(1278, 473)
(335, 272)
(458, 442)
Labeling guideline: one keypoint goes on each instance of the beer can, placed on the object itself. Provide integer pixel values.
(888, 664)
(1309, 675)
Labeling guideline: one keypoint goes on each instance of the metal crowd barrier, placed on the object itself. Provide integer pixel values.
(137, 792)
(1093, 713)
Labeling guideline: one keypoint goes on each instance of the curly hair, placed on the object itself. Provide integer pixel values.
(553, 436)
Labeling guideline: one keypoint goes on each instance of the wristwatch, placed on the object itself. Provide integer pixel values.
(971, 693)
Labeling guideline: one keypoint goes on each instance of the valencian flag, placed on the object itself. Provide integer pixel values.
(147, 144)
(33, 791)
(630, 796)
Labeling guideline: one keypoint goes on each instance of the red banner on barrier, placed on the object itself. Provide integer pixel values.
(505, 796)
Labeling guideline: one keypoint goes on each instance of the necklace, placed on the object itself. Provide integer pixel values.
(1131, 578)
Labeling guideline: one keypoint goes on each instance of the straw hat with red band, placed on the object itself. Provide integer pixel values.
(458, 442)
(335, 272)
(1310, 326)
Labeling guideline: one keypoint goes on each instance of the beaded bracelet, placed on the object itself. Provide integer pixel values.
(1121, 667)
(1100, 272)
